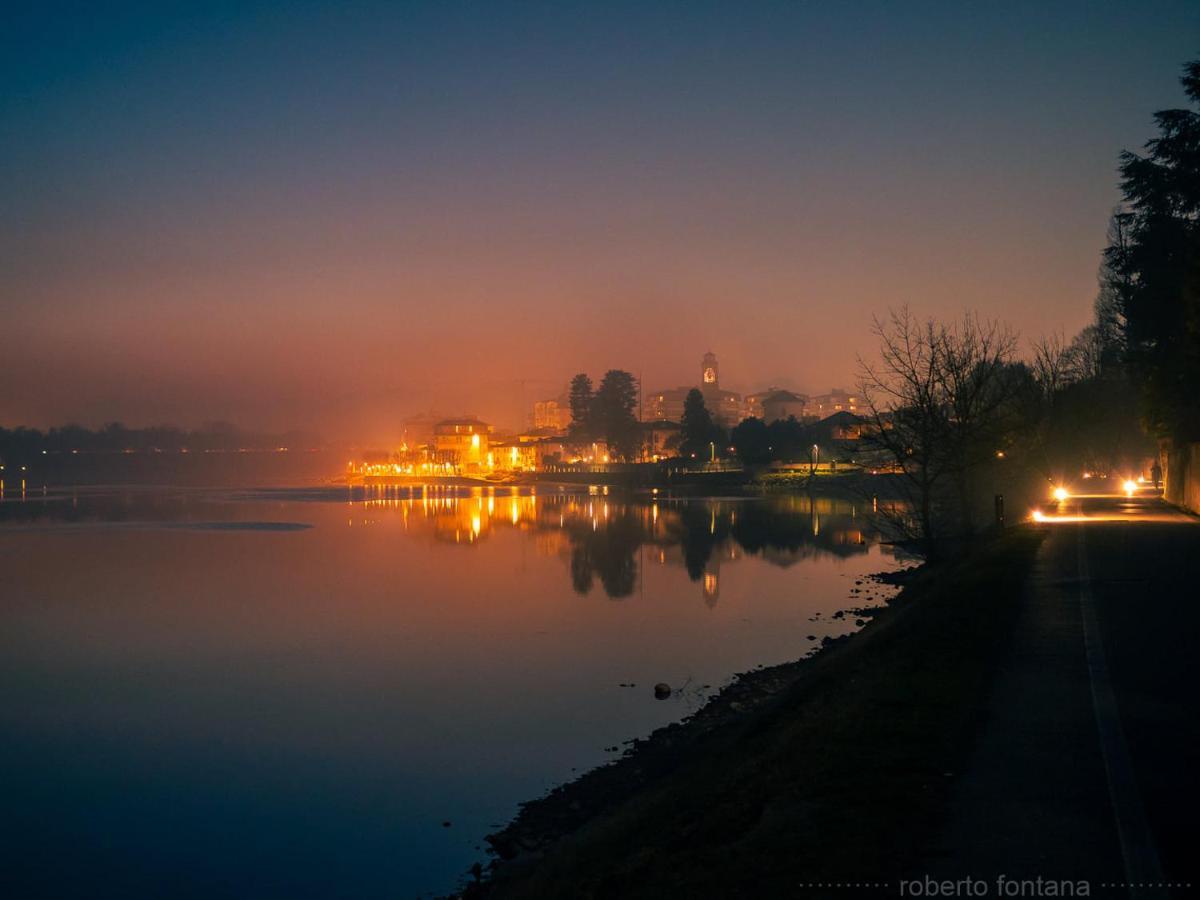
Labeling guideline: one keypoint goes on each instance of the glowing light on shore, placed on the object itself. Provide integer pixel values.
(1061, 494)
(1130, 486)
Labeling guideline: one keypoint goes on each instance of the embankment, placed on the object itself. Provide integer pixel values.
(829, 770)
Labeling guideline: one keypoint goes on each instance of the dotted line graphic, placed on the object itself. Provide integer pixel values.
(844, 884)
(1145, 884)
(859, 885)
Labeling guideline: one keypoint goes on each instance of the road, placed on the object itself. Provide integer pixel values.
(1088, 766)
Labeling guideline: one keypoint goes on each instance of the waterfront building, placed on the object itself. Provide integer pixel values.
(462, 442)
(513, 454)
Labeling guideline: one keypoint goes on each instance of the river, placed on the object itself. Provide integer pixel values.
(281, 692)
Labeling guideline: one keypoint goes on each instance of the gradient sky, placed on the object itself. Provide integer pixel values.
(332, 215)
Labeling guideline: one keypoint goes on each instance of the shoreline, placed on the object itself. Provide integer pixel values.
(745, 691)
(616, 829)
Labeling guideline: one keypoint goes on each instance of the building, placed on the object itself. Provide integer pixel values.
(835, 401)
(844, 426)
(782, 405)
(552, 415)
(513, 455)
(660, 438)
(752, 408)
(418, 430)
(463, 443)
(725, 406)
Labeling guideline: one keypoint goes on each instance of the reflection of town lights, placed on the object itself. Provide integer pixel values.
(1061, 494)
(1130, 486)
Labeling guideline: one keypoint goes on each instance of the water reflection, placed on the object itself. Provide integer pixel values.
(606, 538)
(194, 685)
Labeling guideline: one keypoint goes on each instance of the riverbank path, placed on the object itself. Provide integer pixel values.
(1088, 766)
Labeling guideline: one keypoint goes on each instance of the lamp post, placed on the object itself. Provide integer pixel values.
(815, 453)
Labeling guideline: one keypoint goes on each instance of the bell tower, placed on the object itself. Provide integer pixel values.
(709, 372)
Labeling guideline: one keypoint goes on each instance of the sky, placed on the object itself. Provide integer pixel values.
(332, 216)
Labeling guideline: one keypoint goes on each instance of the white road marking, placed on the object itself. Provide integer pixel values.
(1143, 872)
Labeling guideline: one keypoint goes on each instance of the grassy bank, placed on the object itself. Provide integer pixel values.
(834, 769)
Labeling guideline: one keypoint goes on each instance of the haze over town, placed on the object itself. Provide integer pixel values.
(333, 219)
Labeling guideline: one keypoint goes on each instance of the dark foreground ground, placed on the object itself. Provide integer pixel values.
(1027, 712)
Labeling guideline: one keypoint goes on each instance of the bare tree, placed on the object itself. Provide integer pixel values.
(1051, 364)
(981, 383)
(1086, 354)
(937, 403)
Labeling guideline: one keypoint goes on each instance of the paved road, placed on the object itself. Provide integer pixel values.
(1089, 765)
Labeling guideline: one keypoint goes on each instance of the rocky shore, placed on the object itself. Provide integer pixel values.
(871, 723)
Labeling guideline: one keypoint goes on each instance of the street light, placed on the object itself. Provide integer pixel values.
(816, 452)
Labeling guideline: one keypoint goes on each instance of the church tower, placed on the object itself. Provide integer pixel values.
(709, 373)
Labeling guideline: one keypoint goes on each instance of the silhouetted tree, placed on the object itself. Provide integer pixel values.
(581, 400)
(697, 429)
(701, 531)
(613, 416)
(1087, 412)
(789, 439)
(606, 551)
(938, 401)
(751, 441)
(1155, 261)
(1050, 365)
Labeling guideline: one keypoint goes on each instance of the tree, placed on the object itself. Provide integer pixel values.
(1155, 264)
(612, 414)
(581, 400)
(939, 403)
(789, 440)
(697, 428)
(1051, 365)
(751, 441)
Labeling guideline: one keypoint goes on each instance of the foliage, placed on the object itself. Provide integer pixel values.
(581, 400)
(700, 435)
(612, 414)
(1154, 263)
(752, 441)
(941, 400)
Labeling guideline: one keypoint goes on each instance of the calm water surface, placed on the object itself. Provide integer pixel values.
(287, 693)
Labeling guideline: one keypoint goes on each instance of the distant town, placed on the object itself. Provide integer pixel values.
(619, 423)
